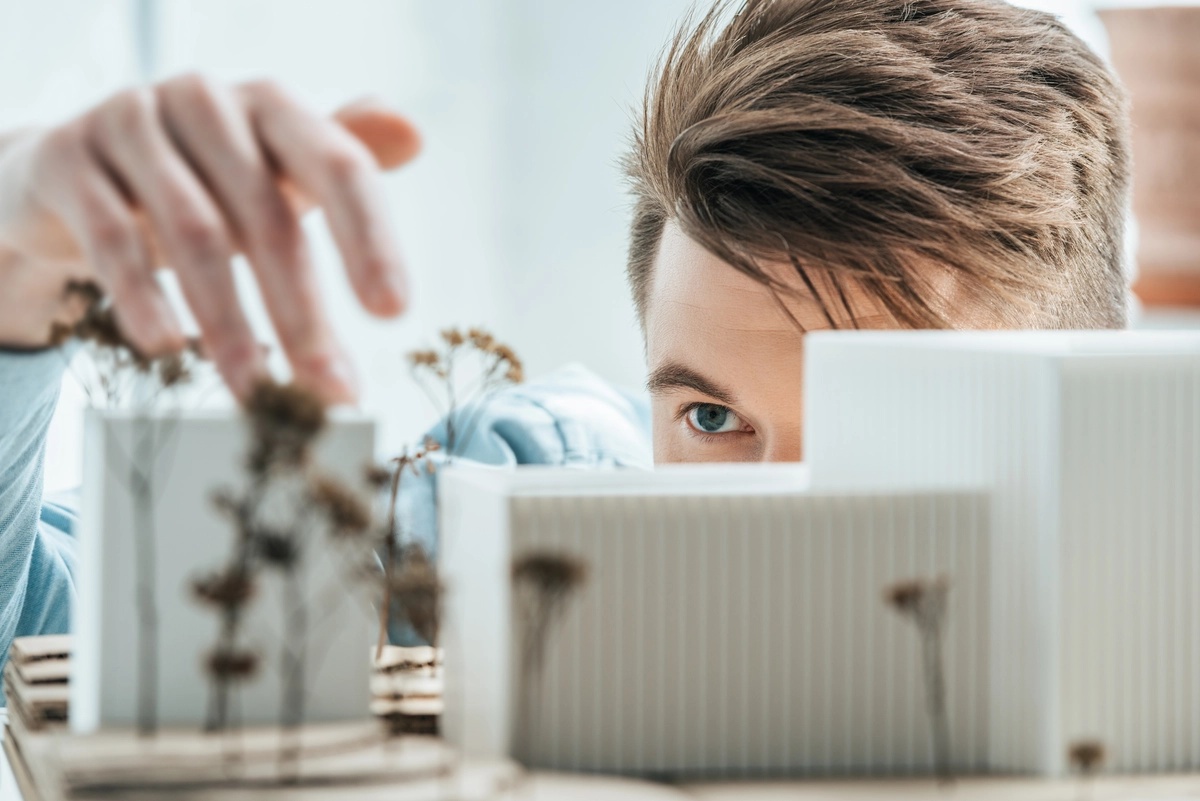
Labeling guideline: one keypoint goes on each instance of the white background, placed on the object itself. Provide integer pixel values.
(514, 216)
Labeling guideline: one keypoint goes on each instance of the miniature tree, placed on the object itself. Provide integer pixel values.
(543, 583)
(1086, 758)
(458, 377)
(416, 591)
(277, 519)
(466, 368)
(122, 376)
(406, 462)
(924, 603)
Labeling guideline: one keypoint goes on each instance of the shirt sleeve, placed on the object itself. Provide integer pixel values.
(37, 546)
(570, 418)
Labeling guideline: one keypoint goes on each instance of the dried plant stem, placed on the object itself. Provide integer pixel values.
(141, 488)
(137, 473)
(489, 381)
(543, 584)
(231, 613)
(924, 602)
(935, 699)
(1086, 757)
(533, 650)
(451, 391)
(535, 639)
(218, 708)
(294, 657)
(389, 562)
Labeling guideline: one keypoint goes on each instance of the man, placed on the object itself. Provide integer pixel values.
(799, 164)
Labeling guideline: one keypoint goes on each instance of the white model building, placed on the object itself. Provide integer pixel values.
(733, 621)
(1090, 446)
(192, 454)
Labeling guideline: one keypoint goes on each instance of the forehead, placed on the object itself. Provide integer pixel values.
(692, 291)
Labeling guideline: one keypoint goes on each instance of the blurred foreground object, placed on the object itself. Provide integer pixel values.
(1156, 52)
(47, 762)
(406, 689)
(35, 682)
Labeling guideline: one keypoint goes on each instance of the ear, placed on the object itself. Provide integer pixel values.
(391, 138)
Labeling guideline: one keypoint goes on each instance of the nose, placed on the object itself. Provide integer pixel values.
(785, 447)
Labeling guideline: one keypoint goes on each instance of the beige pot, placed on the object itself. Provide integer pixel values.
(1156, 51)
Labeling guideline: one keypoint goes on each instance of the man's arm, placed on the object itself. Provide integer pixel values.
(182, 175)
(36, 555)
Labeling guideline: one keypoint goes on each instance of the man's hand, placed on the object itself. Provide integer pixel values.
(186, 174)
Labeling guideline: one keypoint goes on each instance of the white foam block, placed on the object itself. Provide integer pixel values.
(732, 621)
(196, 454)
(1090, 444)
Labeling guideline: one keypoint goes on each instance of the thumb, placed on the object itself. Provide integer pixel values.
(391, 138)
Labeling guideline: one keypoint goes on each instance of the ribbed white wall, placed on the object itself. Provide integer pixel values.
(882, 411)
(1090, 444)
(1130, 558)
(723, 636)
(736, 635)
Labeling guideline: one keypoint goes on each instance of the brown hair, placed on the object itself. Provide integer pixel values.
(861, 139)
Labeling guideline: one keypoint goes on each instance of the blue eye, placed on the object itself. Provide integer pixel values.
(709, 418)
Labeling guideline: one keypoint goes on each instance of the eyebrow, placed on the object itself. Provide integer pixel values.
(673, 375)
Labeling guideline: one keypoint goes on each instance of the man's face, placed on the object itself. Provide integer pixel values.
(725, 361)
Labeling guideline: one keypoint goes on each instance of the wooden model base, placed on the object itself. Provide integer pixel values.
(346, 761)
(368, 762)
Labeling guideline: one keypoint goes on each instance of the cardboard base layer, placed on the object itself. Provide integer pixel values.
(36, 682)
(34, 706)
(406, 686)
(346, 761)
(362, 759)
(478, 781)
(40, 648)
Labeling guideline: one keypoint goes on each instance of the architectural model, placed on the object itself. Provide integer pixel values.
(733, 621)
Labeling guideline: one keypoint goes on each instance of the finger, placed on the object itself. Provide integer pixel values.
(211, 130)
(110, 237)
(340, 175)
(391, 138)
(127, 136)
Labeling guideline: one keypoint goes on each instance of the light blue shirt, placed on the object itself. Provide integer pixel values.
(570, 418)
